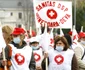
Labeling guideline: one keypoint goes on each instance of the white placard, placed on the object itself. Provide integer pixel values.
(55, 14)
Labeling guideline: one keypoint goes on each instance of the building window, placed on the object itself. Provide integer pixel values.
(20, 15)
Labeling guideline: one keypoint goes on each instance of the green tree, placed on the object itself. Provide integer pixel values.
(80, 15)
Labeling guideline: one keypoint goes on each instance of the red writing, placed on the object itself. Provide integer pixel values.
(65, 18)
(45, 4)
(62, 7)
(50, 24)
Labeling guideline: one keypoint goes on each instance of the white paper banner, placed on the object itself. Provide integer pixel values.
(55, 14)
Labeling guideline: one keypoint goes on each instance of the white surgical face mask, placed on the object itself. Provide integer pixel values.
(59, 48)
(35, 48)
(16, 40)
(83, 42)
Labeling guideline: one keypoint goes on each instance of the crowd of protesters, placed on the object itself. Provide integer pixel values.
(32, 56)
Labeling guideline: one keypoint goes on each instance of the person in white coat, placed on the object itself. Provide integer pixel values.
(61, 57)
(80, 51)
(19, 53)
(37, 51)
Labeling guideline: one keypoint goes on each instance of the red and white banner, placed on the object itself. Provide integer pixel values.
(55, 14)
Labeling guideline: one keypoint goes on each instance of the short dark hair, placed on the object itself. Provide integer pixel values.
(68, 37)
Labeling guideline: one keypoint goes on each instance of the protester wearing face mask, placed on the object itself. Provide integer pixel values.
(61, 57)
(80, 51)
(34, 43)
(21, 55)
(38, 52)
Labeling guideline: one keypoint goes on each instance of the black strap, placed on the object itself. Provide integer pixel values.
(83, 55)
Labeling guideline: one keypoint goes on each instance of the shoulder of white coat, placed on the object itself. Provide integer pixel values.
(28, 48)
(79, 45)
(75, 44)
(79, 48)
(70, 51)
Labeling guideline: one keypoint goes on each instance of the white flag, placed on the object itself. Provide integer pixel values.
(2, 41)
(61, 32)
(75, 34)
(44, 42)
(39, 30)
(81, 29)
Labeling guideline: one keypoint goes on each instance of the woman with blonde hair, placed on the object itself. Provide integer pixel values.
(6, 31)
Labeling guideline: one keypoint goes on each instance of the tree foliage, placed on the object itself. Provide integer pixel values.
(80, 15)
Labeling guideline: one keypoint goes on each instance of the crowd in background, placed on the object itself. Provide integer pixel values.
(29, 51)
